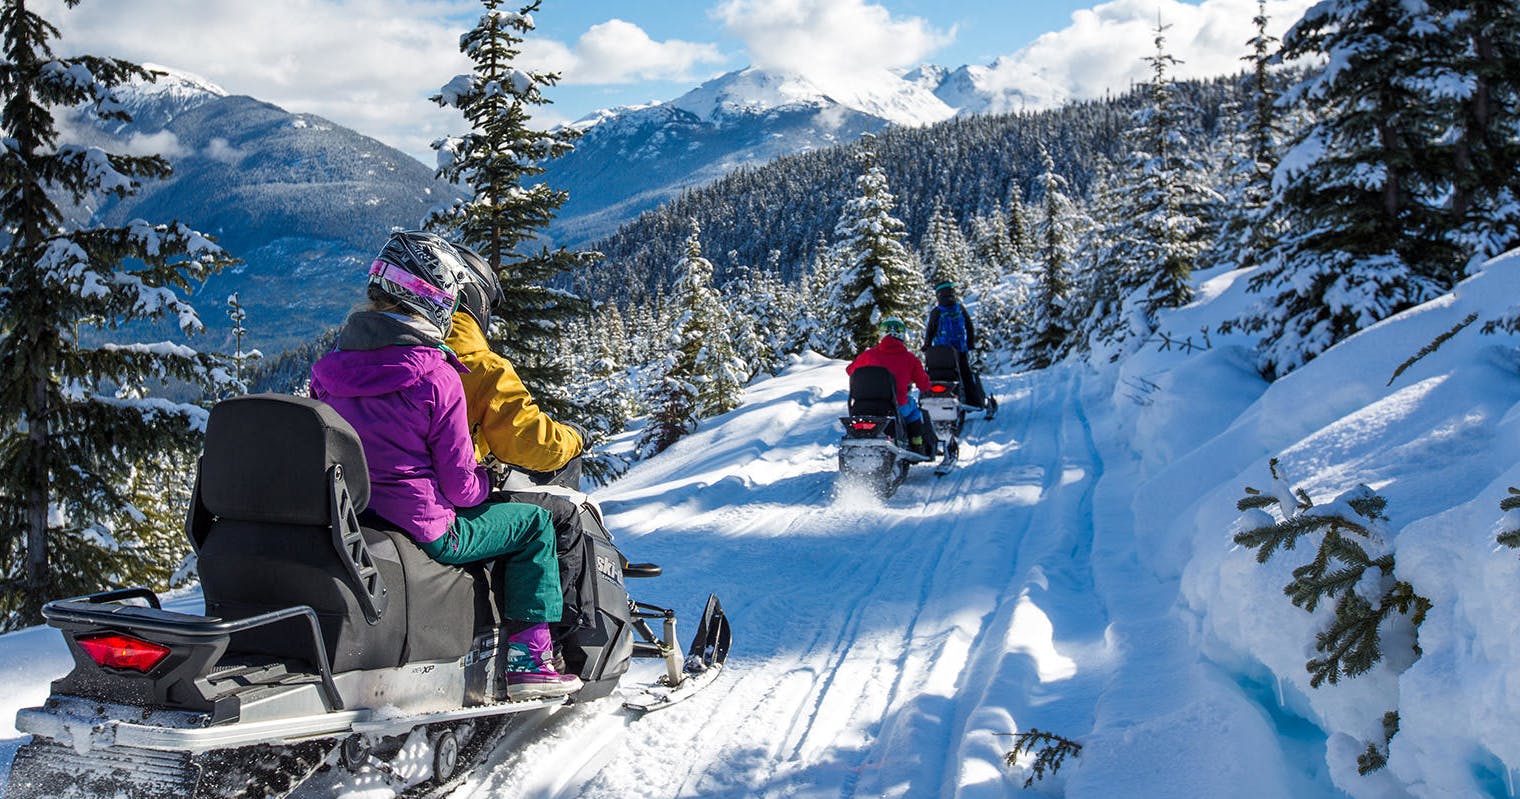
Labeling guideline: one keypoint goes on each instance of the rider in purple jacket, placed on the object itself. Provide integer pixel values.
(392, 378)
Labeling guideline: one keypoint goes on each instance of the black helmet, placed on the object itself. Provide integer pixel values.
(423, 273)
(945, 293)
(481, 293)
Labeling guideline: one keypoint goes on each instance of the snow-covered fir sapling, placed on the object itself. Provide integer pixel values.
(1049, 750)
(239, 357)
(1353, 565)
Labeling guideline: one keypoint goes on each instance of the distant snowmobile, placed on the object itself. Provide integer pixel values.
(875, 452)
(326, 644)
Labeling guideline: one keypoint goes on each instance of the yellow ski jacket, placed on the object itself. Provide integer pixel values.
(504, 419)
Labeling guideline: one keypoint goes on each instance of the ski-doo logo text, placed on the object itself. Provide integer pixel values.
(607, 568)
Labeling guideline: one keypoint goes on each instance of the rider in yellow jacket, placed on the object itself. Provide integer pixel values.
(504, 419)
(506, 423)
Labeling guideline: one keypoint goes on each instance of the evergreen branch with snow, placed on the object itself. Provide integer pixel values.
(1435, 344)
(1509, 530)
(1351, 565)
(1049, 749)
(1376, 757)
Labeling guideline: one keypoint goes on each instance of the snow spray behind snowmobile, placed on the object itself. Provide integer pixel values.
(326, 643)
(875, 452)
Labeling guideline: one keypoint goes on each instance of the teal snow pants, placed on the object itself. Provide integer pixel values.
(521, 538)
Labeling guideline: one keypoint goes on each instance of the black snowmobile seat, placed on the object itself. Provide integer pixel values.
(262, 520)
(873, 392)
(943, 363)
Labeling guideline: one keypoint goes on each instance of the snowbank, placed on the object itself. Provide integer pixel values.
(1439, 442)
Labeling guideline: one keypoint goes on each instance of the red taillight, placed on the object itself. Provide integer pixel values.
(123, 651)
(862, 425)
(939, 389)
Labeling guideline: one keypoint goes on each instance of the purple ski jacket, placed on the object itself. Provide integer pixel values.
(406, 402)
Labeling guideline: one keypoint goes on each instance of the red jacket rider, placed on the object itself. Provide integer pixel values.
(894, 355)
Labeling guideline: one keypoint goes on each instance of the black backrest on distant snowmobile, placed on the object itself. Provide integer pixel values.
(274, 521)
(943, 363)
(873, 392)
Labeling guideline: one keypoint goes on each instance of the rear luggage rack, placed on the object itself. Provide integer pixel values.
(197, 643)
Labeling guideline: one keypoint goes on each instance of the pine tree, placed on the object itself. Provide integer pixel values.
(1059, 227)
(78, 424)
(1359, 187)
(1479, 59)
(1158, 228)
(1246, 231)
(505, 216)
(946, 255)
(816, 325)
(878, 276)
(700, 376)
(762, 309)
(240, 358)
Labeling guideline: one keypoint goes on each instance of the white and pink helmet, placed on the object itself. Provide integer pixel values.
(422, 272)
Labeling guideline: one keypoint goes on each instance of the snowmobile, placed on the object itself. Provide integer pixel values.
(326, 643)
(875, 451)
(944, 403)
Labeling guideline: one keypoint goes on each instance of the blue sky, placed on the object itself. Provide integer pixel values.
(371, 64)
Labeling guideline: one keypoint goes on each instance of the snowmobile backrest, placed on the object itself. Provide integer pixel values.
(943, 363)
(268, 457)
(873, 392)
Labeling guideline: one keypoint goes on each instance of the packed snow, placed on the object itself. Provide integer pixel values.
(1075, 574)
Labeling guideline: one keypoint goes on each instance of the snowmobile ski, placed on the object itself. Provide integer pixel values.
(704, 662)
(951, 459)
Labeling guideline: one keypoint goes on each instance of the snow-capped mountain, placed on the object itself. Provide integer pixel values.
(633, 158)
(748, 92)
(1001, 87)
(303, 202)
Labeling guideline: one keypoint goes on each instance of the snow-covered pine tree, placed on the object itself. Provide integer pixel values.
(700, 376)
(604, 389)
(77, 424)
(878, 276)
(1246, 231)
(503, 218)
(1021, 243)
(1159, 223)
(992, 247)
(240, 358)
(1479, 69)
(1060, 226)
(946, 255)
(814, 325)
(1358, 189)
(761, 308)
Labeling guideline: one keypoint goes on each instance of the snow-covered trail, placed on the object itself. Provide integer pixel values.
(881, 648)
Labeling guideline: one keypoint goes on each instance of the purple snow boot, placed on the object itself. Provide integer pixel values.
(530, 666)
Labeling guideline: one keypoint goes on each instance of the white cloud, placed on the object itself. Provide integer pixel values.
(617, 51)
(828, 39)
(1103, 48)
(365, 64)
(218, 149)
(163, 143)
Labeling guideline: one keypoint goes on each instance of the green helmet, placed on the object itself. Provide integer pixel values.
(894, 327)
